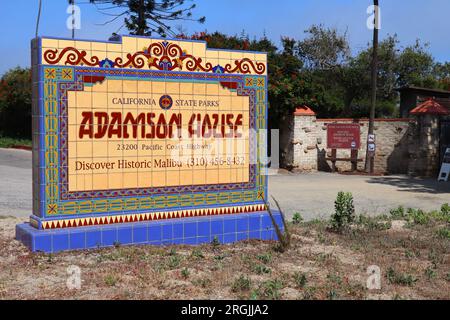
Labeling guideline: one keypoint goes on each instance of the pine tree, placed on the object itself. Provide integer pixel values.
(148, 17)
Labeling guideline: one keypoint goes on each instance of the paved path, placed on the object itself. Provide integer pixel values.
(15, 186)
(313, 194)
(310, 194)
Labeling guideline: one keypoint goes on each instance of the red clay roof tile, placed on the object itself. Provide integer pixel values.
(430, 107)
(304, 111)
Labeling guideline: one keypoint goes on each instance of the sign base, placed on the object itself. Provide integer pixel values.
(190, 231)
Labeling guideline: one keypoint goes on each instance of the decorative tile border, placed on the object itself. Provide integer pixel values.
(164, 56)
(84, 76)
(153, 216)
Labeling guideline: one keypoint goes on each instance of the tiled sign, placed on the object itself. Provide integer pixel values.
(146, 133)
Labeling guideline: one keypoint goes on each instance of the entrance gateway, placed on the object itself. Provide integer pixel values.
(146, 141)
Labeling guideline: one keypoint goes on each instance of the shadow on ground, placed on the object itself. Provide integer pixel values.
(413, 184)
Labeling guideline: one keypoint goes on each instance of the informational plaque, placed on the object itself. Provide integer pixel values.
(343, 136)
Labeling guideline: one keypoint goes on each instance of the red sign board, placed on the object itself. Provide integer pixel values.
(343, 136)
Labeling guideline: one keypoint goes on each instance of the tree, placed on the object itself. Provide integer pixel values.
(325, 54)
(442, 73)
(415, 67)
(147, 17)
(15, 103)
(357, 81)
(324, 48)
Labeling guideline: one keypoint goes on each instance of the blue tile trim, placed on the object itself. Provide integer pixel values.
(187, 231)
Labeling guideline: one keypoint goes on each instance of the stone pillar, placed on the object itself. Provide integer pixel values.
(304, 140)
(424, 147)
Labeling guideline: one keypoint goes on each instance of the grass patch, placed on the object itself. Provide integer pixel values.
(417, 216)
(402, 279)
(265, 258)
(111, 280)
(443, 233)
(420, 217)
(197, 253)
(300, 280)
(430, 273)
(174, 262)
(203, 283)
(398, 213)
(334, 278)
(262, 269)
(185, 273)
(445, 209)
(7, 142)
(241, 284)
(268, 290)
(373, 223)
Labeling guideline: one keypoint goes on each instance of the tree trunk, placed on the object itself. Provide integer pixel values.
(141, 19)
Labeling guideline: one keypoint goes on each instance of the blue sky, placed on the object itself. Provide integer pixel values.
(409, 19)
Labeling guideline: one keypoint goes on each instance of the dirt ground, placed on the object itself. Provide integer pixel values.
(412, 251)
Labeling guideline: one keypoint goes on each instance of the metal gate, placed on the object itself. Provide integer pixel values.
(445, 138)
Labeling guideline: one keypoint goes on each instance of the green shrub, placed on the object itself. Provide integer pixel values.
(241, 284)
(430, 273)
(185, 273)
(300, 280)
(111, 280)
(443, 233)
(344, 213)
(262, 269)
(174, 262)
(197, 253)
(403, 279)
(418, 216)
(398, 213)
(270, 289)
(215, 242)
(297, 218)
(445, 209)
(265, 258)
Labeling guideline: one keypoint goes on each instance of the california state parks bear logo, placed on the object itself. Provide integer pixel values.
(166, 102)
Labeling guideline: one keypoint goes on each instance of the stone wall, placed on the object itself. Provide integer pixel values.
(309, 144)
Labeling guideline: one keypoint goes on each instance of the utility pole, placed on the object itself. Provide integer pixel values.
(73, 19)
(370, 154)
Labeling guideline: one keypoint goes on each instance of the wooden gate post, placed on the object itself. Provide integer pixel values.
(333, 160)
(354, 160)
